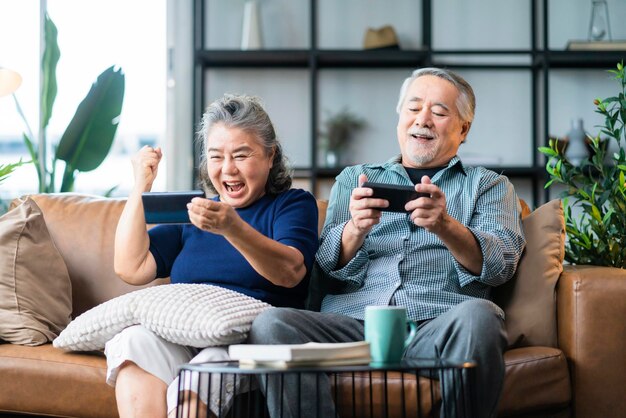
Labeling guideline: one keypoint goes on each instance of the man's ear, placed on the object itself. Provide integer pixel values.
(464, 130)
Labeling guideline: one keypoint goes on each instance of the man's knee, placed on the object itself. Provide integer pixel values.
(273, 326)
(480, 317)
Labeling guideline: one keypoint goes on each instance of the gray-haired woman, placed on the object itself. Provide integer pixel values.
(257, 236)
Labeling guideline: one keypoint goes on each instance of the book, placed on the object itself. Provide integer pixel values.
(285, 355)
(596, 45)
(251, 364)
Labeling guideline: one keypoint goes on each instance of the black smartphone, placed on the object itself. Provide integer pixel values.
(397, 195)
(168, 207)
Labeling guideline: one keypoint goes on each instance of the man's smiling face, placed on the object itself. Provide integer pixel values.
(430, 129)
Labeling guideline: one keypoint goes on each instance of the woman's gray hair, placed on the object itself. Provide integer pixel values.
(245, 113)
(466, 102)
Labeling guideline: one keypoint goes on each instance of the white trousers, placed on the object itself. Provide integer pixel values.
(162, 359)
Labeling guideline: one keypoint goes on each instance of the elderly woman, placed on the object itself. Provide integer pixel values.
(257, 236)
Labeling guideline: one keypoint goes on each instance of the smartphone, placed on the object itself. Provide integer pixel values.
(168, 207)
(396, 195)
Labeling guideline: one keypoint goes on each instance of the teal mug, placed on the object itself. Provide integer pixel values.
(386, 331)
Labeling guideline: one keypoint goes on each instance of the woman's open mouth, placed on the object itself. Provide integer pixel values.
(233, 186)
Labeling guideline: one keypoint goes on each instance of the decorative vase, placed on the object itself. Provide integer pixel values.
(332, 158)
(576, 150)
(599, 26)
(251, 28)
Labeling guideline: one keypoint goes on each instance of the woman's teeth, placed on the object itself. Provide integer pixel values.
(233, 187)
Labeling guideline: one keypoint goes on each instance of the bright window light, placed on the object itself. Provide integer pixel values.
(92, 36)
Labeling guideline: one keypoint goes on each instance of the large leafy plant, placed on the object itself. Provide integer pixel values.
(88, 138)
(7, 169)
(596, 187)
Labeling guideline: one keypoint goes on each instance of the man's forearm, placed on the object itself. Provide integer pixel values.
(351, 240)
(463, 245)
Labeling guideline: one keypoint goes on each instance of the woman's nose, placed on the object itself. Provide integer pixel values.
(229, 166)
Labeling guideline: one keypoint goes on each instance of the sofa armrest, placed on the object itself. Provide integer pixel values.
(591, 306)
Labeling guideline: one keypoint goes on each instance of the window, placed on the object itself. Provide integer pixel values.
(92, 36)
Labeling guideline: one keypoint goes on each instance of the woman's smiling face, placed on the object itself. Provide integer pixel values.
(238, 165)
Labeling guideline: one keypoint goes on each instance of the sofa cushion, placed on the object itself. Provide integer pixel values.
(529, 298)
(536, 379)
(35, 288)
(46, 381)
(196, 315)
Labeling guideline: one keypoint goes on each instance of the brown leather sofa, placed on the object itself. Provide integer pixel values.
(580, 373)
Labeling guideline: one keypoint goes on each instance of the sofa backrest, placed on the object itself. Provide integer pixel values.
(83, 229)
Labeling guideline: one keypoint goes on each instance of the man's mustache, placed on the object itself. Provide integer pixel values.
(422, 132)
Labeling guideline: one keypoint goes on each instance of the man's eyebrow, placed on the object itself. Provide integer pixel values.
(419, 99)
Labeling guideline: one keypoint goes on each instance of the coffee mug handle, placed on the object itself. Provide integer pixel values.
(412, 332)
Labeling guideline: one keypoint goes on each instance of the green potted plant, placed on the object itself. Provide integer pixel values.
(88, 138)
(595, 195)
(338, 130)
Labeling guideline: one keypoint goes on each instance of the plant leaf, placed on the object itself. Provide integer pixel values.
(49, 60)
(89, 136)
(548, 151)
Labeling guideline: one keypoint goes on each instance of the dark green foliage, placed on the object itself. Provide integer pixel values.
(597, 187)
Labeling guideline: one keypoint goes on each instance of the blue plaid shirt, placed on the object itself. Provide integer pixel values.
(406, 265)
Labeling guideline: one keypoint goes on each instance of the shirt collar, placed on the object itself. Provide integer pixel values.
(394, 164)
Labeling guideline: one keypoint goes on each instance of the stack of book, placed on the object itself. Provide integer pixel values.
(300, 355)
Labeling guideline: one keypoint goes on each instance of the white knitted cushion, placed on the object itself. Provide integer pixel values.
(196, 315)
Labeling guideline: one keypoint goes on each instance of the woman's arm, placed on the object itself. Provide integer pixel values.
(281, 264)
(132, 259)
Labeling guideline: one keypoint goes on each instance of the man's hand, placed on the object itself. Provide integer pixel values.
(364, 209)
(430, 213)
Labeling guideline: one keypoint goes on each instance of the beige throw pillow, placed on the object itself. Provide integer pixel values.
(529, 298)
(35, 288)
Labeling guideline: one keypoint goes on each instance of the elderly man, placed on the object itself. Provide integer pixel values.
(439, 260)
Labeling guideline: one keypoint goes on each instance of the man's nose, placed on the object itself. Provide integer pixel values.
(423, 119)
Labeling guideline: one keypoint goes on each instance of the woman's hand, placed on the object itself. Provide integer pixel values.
(216, 217)
(145, 167)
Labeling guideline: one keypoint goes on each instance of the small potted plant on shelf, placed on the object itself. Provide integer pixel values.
(596, 189)
(338, 130)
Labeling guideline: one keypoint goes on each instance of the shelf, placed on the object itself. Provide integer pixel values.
(261, 58)
(370, 58)
(583, 59)
(402, 58)
(326, 78)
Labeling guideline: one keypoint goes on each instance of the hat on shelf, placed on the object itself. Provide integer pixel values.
(383, 37)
